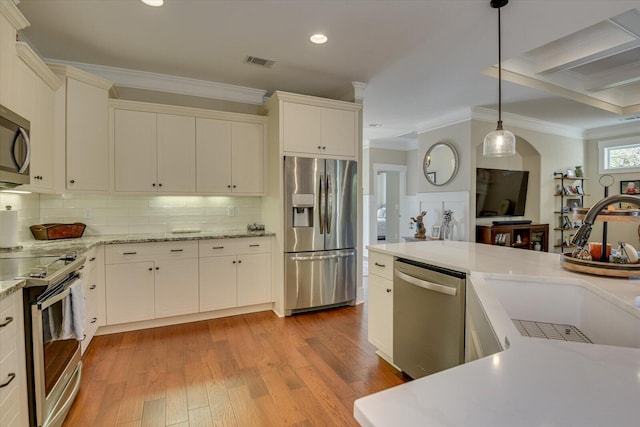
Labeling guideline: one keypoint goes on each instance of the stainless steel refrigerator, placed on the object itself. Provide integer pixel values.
(320, 233)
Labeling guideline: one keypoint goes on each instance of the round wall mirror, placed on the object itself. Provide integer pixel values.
(440, 163)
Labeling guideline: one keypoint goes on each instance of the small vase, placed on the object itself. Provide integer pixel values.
(578, 171)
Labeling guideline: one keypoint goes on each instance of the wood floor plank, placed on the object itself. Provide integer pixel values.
(153, 413)
(249, 370)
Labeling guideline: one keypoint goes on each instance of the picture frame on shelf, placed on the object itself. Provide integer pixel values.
(579, 190)
(567, 190)
(574, 203)
(630, 187)
(435, 232)
(566, 222)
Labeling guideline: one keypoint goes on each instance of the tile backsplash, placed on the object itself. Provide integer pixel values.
(117, 214)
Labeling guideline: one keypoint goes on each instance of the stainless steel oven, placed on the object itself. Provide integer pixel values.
(53, 354)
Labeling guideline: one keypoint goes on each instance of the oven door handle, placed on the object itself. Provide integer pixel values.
(50, 301)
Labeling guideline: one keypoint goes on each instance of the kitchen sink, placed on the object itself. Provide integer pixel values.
(593, 314)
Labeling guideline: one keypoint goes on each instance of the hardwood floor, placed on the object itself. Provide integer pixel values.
(249, 370)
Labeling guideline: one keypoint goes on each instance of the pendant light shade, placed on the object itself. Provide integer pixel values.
(500, 142)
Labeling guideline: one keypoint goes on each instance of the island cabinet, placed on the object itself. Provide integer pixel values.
(151, 280)
(315, 127)
(93, 291)
(523, 236)
(380, 302)
(234, 273)
(82, 128)
(178, 150)
(13, 382)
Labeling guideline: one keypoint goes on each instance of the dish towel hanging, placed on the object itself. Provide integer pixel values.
(73, 319)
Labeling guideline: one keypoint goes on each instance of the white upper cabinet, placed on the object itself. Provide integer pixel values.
(213, 145)
(230, 156)
(135, 151)
(154, 152)
(87, 144)
(176, 153)
(318, 127)
(193, 152)
(82, 130)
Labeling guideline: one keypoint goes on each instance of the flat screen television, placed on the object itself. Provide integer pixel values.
(500, 192)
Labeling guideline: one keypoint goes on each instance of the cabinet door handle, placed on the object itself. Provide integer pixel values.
(153, 185)
(319, 147)
(218, 247)
(177, 250)
(234, 262)
(160, 185)
(379, 265)
(92, 287)
(129, 253)
(388, 290)
(7, 320)
(94, 320)
(92, 258)
(157, 268)
(229, 186)
(254, 246)
(72, 181)
(11, 376)
(150, 269)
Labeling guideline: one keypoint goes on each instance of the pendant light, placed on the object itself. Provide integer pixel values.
(500, 142)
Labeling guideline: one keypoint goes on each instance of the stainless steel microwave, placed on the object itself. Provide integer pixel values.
(15, 149)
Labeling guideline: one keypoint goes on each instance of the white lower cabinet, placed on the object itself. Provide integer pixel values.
(151, 280)
(13, 383)
(234, 273)
(93, 290)
(480, 339)
(380, 304)
(176, 287)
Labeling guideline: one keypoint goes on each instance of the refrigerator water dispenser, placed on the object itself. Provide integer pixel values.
(302, 207)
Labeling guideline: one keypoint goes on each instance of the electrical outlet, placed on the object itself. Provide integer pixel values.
(231, 211)
(88, 213)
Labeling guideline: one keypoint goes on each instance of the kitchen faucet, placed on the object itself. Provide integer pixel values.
(582, 235)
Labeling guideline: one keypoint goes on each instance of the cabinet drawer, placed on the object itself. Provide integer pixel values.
(381, 265)
(216, 247)
(9, 369)
(139, 252)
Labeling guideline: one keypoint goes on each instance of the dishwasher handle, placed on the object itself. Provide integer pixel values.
(448, 290)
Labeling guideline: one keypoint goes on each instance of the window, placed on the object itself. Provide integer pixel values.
(620, 155)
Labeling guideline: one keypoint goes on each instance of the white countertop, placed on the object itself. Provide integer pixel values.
(534, 382)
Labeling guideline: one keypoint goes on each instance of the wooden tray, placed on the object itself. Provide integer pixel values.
(56, 231)
(599, 268)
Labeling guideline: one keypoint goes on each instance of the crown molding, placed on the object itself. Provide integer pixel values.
(395, 144)
(449, 119)
(33, 61)
(514, 120)
(511, 120)
(65, 70)
(13, 14)
(614, 131)
(358, 90)
(165, 83)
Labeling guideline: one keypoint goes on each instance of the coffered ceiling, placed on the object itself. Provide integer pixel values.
(420, 59)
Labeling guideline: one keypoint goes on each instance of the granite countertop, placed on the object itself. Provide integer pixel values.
(534, 381)
(14, 265)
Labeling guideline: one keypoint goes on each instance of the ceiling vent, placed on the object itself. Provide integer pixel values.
(268, 63)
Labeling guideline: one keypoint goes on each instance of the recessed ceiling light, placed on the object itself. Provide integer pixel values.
(154, 3)
(318, 39)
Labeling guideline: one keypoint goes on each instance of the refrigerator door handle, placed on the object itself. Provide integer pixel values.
(321, 204)
(321, 257)
(329, 197)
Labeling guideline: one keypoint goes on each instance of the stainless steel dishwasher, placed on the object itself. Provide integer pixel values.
(428, 318)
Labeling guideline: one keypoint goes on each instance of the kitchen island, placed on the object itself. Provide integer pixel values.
(533, 381)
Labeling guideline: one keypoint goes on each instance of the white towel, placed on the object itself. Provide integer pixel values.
(73, 318)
